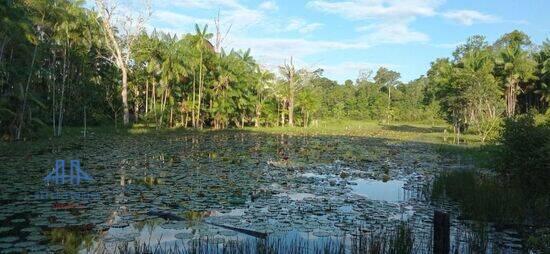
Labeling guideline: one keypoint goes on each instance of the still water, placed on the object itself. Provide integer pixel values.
(213, 190)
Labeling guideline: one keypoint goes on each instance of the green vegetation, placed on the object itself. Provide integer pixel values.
(517, 193)
(163, 80)
(525, 153)
(480, 197)
(68, 71)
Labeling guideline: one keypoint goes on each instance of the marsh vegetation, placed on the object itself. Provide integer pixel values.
(195, 148)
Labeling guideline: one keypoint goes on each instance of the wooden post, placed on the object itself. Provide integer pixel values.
(441, 233)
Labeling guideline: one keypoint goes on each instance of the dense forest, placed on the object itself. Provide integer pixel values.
(63, 64)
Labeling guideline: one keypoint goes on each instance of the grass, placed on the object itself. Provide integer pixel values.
(481, 197)
(396, 239)
(406, 131)
(476, 155)
(439, 133)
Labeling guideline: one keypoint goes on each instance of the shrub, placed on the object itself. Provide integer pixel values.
(480, 197)
(525, 152)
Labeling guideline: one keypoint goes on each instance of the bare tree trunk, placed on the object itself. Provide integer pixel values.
(171, 116)
(23, 108)
(155, 104)
(136, 105)
(61, 101)
(136, 111)
(283, 113)
(181, 118)
(154, 96)
(193, 107)
(124, 93)
(278, 111)
(200, 93)
(54, 105)
(291, 110)
(121, 50)
(147, 96)
(389, 104)
(305, 116)
(511, 98)
(258, 114)
(163, 106)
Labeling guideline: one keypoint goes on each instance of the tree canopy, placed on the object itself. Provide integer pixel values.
(59, 61)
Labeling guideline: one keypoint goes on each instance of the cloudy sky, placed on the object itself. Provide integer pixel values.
(344, 37)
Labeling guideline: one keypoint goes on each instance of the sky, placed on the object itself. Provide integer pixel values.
(346, 37)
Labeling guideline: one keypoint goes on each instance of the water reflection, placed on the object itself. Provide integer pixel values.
(314, 187)
(391, 191)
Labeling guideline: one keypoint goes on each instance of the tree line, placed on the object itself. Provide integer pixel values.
(62, 64)
(482, 82)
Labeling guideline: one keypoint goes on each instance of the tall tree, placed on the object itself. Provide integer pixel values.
(120, 46)
(543, 60)
(387, 78)
(515, 66)
(263, 85)
(202, 44)
(290, 79)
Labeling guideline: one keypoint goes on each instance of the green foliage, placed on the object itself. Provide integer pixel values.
(525, 152)
(514, 66)
(59, 67)
(51, 66)
(519, 193)
(481, 197)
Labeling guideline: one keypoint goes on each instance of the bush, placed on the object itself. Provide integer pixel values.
(481, 197)
(525, 152)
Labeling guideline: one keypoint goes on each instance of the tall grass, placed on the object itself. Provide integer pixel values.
(481, 196)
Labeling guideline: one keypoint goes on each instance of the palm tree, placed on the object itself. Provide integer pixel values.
(202, 38)
(171, 70)
(224, 76)
(515, 65)
(290, 79)
(264, 78)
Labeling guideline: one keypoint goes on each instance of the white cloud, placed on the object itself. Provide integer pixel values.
(377, 9)
(232, 14)
(343, 70)
(242, 18)
(273, 51)
(177, 19)
(469, 17)
(206, 4)
(302, 26)
(447, 45)
(393, 32)
(269, 6)
(389, 20)
(231, 11)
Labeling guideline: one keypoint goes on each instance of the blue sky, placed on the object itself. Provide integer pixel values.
(344, 37)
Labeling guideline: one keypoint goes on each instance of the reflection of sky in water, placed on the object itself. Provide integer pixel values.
(391, 191)
(180, 178)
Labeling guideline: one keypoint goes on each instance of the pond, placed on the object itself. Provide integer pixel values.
(216, 191)
(391, 191)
